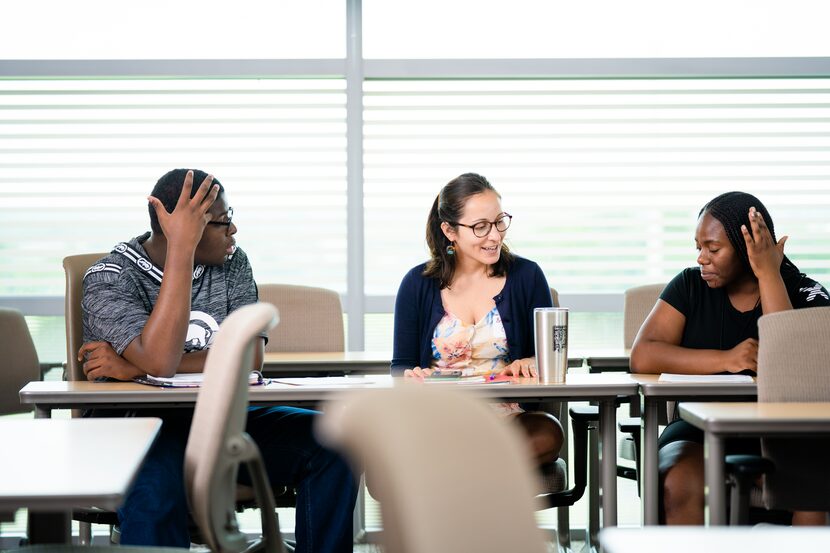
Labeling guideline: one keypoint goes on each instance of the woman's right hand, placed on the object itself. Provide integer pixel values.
(417, 373)
(742, 357)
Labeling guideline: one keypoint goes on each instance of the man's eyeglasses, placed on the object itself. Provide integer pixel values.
(482, 228)
(227, 223)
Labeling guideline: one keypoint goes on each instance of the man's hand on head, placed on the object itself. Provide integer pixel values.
(185, 225)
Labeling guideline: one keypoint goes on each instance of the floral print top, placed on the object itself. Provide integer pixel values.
(476, 349)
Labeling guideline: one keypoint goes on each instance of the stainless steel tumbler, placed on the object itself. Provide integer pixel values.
(550, 328)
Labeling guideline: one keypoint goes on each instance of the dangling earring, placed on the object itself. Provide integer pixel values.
(450, 250)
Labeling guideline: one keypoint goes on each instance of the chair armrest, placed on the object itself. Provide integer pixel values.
(748, 466)
(585, 413)
(630, 425)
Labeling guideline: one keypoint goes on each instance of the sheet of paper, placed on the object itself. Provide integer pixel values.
(329, 381)
(187, 380)
(705, 378)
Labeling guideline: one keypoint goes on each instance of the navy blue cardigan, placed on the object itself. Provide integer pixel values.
(418, 310)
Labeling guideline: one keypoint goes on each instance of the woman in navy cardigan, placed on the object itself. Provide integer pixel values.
(470, 307)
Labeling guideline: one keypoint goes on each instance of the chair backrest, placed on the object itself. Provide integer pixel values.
(311, 318)
(217, 443)
(450, 474)
(19, 364)
(75, 267)
(637, 304)
(554, 296)
(794, 355)
(793, 366)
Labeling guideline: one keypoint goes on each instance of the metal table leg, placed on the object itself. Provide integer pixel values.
(608, 453)
(715, 481)
(649, 481)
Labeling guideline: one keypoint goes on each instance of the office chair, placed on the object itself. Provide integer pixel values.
(218, 444)
(793, 354)
(312, 318)
(75, 267)
(438, 492)
(638, 302)
(19, 363)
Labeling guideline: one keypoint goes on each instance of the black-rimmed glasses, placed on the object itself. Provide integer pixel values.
(227, 223)
(482, 228)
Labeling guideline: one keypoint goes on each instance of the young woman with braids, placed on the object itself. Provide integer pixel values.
(470, 307)
(706, 322)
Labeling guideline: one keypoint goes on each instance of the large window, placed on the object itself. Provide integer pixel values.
(441, 29)
(605, 128)
(80, 157)
(180, 30)
(604, 178)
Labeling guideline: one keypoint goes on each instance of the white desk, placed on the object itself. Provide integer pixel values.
(722, 420)
(684, 539)
(603, 388)
(653, 394)
(54, 465)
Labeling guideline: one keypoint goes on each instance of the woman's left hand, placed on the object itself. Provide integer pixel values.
(521, 367)
(765, 255)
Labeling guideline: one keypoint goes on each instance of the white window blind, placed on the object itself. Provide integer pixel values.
(604, 177)
(79, 157)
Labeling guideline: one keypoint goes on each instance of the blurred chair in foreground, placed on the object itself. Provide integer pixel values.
(793, 362)
(450, 474)
(218, 443)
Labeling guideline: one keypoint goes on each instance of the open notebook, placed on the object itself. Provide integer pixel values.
(188, 380)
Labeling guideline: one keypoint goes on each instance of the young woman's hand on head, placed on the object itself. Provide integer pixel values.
(184, 227)
(417, 373)
(521, 367)
(765, 255)
(742, 357)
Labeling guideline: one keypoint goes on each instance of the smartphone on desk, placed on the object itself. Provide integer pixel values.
(446, 373)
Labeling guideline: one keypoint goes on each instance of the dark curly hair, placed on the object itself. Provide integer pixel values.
(448, 208)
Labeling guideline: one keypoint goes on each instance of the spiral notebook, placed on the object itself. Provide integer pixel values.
(189, 380)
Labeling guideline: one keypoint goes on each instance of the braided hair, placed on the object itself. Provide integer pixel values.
(732, 210)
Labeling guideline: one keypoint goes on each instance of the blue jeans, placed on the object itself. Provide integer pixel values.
(155, 511)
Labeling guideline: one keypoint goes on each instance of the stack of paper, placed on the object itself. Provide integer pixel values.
(187, 380)
(705, 378)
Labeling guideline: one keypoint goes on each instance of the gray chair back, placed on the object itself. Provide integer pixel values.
(450, 474)
(794, 366)
(637, 304)
(311, 318)
(19, 364)
(217, 443)
(554, 297)
(75, 267)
